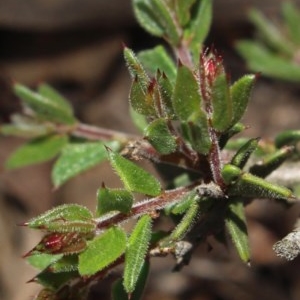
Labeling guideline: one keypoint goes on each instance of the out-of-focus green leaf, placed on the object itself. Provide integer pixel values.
(139, 120)
(79, 157)
(143, 10)
(102, 251)
(137, 246)
(49, 109)
(199, 26)
(222, 105)
(240, 93)
(291, 17)
(37, 151)
(159, 135)
(260, 59)
(158, 59)
(186, 97)
(287, 137)
(113, 200)
(183, 10)
(235, 221)
(64, 218)
(49, 92)
(43, 260)
(134, 178)
(269, 33)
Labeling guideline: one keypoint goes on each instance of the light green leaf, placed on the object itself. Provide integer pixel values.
(67, 263)
(64, 218)
(49, 109)
(79, 157)
(199, 26)
(113, 200)
(183, 12)
(221, 102)
(102, 251)
(287, 137)
(292, 16)
(240, 93)
(236, 225)
(186, 97)
(160, 137)
(143, 10)
(43, 260)
(37, 151)
(158, 59)
(137, 246)
(139, 120)
(134, 178)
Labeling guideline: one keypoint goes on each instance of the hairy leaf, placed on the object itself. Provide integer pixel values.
(46, 108)
(102, 251)
(79, 157)
(113, 200)
(134, 178)
(137, 246)
(43, 260)
(236, 225)
(37, 151)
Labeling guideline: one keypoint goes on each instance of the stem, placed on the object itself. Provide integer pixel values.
(145, 206)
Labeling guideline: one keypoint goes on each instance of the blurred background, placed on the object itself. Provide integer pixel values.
(76, 46)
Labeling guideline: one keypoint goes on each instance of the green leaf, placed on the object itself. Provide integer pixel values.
(134, 178)
(199, 26)
(48, 92)
(37, 151)
(158, 59)
(236, 225)
(182, 206)
(167, 20)
(102, 251)
(270, 34)
(186, 97)
(67, 263)
(221, 102)
(79, 157)
(144, 13)
(242, 155)
(287, 137)
(139, 120)
(43, 260)
(230, 173)
(260, 59)
(292, 16)
(113, 200)
(183, 8)
(136, 250)
(119, 293)
(64, 218)
(49, 109)
(240, 93)
(160, 137)
(256, 187)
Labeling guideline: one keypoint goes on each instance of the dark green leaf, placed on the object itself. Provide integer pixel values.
(242, 155)
(158, 59)
(144, 12)
(221, 102)
(186, 97)
(240, 93)
(37, 151)
(134, 178)
(159, 135)
(113, 200)
(102, 251)
(137, 247)
(49, 109)
(183, 8)
(236, 225)
(79, 157)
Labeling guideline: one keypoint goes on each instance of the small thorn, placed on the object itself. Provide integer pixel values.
(25, 224)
